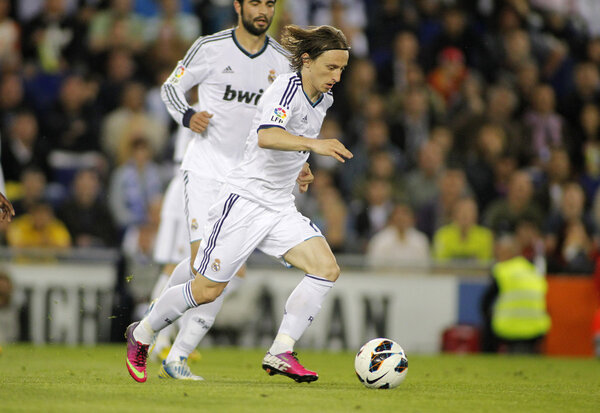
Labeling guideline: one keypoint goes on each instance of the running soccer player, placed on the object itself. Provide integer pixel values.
(231, 69)
(256, 206)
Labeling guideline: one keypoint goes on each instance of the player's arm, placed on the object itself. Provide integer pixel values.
(274, 137)
(190, 71)
(6, 209)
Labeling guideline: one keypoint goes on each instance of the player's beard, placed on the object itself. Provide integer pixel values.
(251, 28)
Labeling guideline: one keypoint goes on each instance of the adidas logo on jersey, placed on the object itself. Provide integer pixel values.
(228, 69)
(305, 119)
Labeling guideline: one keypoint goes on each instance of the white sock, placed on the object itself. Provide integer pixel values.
(181, 274)
(282, 344)
(159, 285)
(301, 308)
(196, 322)
(169, 307)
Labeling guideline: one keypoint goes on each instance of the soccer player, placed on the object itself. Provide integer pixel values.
(172, 239)
(256, 206)
(231, 69)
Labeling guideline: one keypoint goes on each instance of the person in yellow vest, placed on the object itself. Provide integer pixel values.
(463, 239)
(514, 306)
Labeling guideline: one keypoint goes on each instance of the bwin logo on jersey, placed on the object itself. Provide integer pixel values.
(243, 96)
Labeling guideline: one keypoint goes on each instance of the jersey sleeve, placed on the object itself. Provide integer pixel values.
(278, 103)
(193, 69)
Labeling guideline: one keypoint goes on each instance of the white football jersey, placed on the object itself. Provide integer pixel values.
(230, 83)
(268, 176)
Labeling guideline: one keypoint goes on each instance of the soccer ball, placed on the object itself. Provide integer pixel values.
(381, 364)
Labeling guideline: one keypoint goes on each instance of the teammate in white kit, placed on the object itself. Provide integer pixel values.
(231, 70)
(256, 206)
(172, 239)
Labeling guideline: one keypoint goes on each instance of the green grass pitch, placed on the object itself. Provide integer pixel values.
(95, 379)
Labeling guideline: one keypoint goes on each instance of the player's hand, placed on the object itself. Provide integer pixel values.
(199, 121)
(6, 209)
(305, 178)
(333, 148)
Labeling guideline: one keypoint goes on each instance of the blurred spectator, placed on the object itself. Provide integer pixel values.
(134, 184)
(384, 18)
(10, 38)
(38, 228)
(327, 209)
(405, 52)
(172, 21)
(72, 123)
(457, 34)
(568, 233)
(120, 70)
(588, 158)
(24, 147)
(526, 82)
(589, 11)
(469, 100)
(411, 130)
(499, 109)
(381, 166)
(399, 244)
(116, 27)
(451, 186)
(347, 15)
(137, 247)
(448, 76)
(127, 122)
(545, 127)
(530, 241)
(154, 104)
(514, 305)
(586, 90)
(53, 40)
(357, 85)
(8, 312)
(557, 173)
(463, 239)
(32, 189)
(502, 215)
(86, 214)
(374, 139)
(168, 36)
(490, 145)
(421, 182)
(12, 100)
(374, 210)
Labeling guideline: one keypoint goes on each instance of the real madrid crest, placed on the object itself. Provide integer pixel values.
(272, 75)
(216, 265)
(194, 224)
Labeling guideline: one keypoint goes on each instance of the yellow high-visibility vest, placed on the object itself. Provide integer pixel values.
(520, 309)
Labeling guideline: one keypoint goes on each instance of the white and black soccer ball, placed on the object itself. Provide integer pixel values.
(381, 364)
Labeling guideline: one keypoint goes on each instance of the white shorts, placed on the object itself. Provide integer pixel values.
(237, 226)
(173, 239)
(200, 194)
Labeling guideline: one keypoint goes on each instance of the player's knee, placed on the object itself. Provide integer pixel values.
(204, 295)
(330, 271)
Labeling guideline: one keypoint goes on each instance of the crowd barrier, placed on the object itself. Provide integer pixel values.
(72, 303)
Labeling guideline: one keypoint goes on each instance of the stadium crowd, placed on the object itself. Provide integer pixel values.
(467, 119)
